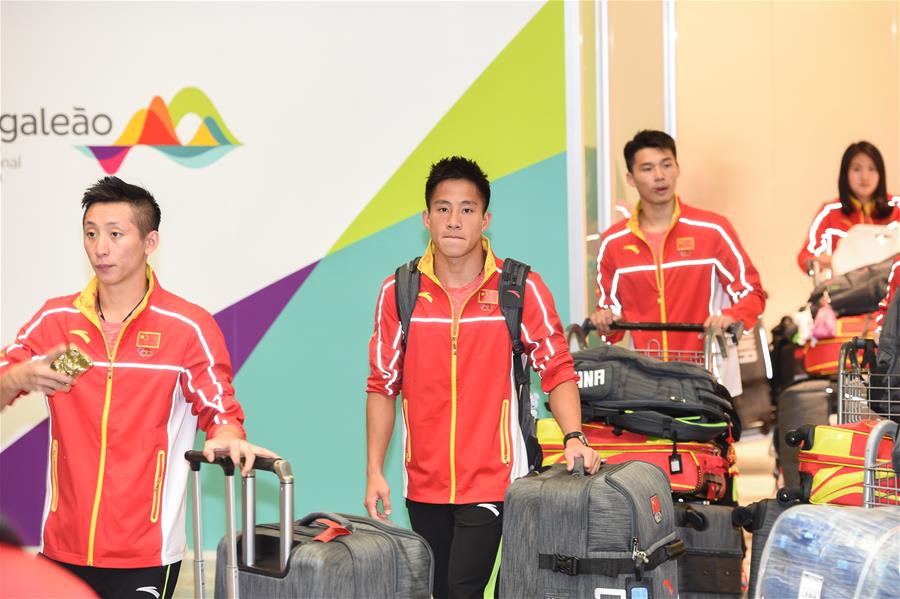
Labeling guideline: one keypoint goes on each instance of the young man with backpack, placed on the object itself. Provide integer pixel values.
(671, 262)
(467, 422)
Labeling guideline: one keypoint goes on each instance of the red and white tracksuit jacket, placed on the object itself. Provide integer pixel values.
(461, 436)
(703, 269)
(117, 477)
(893, 282)
(831, 224)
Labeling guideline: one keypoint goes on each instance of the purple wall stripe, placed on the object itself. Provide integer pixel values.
(245, 323)
(23, 472)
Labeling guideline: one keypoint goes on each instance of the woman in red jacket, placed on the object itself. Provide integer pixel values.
(863, 199)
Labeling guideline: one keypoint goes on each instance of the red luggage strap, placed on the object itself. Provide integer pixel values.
(331, 532)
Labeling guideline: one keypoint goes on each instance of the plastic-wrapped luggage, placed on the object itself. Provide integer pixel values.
(695, 470)
(577, 536)
(715, 552)
(758, 519)
(832, 552)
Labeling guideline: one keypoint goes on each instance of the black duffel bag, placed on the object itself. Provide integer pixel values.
(855, 292)
(674, 400)
(884, 376)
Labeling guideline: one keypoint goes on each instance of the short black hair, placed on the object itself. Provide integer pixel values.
(883, 208)
(112, 189)
(648, 138)
(457, 167)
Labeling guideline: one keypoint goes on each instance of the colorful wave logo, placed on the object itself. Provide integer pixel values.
(155, 127)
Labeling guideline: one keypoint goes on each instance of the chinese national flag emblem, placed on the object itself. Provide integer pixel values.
(148, 339)
(488, 296)
(684, 244)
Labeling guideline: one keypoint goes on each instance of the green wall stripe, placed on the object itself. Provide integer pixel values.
(512, 116)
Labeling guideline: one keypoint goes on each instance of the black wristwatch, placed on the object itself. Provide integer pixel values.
(575, 435)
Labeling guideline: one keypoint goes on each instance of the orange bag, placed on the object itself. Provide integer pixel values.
(695, 470)
(822, 359)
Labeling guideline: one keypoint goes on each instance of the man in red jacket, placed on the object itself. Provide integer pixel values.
(670, 262)
(462, 444)
(114, 510)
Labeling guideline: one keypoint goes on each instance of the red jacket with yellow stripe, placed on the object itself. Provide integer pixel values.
(461, 437)
(703, 269)
(831, 224)
(117, 478)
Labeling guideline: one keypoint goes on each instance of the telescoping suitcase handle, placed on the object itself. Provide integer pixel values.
(282, 469)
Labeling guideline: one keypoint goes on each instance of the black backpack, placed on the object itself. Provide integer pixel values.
(512, 298)
(855, 292)
(673, 400)
(884, 376)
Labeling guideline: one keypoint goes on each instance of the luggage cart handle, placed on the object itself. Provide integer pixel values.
(882, 429)
(734, 329)
(621, 325)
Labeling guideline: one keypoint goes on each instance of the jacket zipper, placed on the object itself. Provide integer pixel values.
(454, 335)
(408, 433)
(54, 477)
(504, 433)
(104, 425)
(157, 485)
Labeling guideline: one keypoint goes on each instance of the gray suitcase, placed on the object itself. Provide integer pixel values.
(715, 552)
(754, 404)
(607, 535)
(804, 402)
(321, 555)
(758, 519)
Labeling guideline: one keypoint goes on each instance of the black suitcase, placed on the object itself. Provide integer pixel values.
(320, 555)
(804, 402)
(758, 519)
(715, 552)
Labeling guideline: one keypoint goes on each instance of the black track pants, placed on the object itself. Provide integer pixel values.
(465, 539)
(131, 583)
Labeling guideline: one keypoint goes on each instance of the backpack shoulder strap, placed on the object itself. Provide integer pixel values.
(512, 298)
(406, 290)
(511, 290)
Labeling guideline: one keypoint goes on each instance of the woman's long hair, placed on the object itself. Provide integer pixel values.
(882, 208)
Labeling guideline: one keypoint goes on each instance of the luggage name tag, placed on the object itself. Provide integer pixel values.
(332, 530)
(639, 590)
(675, 460)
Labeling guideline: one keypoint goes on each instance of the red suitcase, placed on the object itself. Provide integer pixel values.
(832, 463)
(695, 470)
